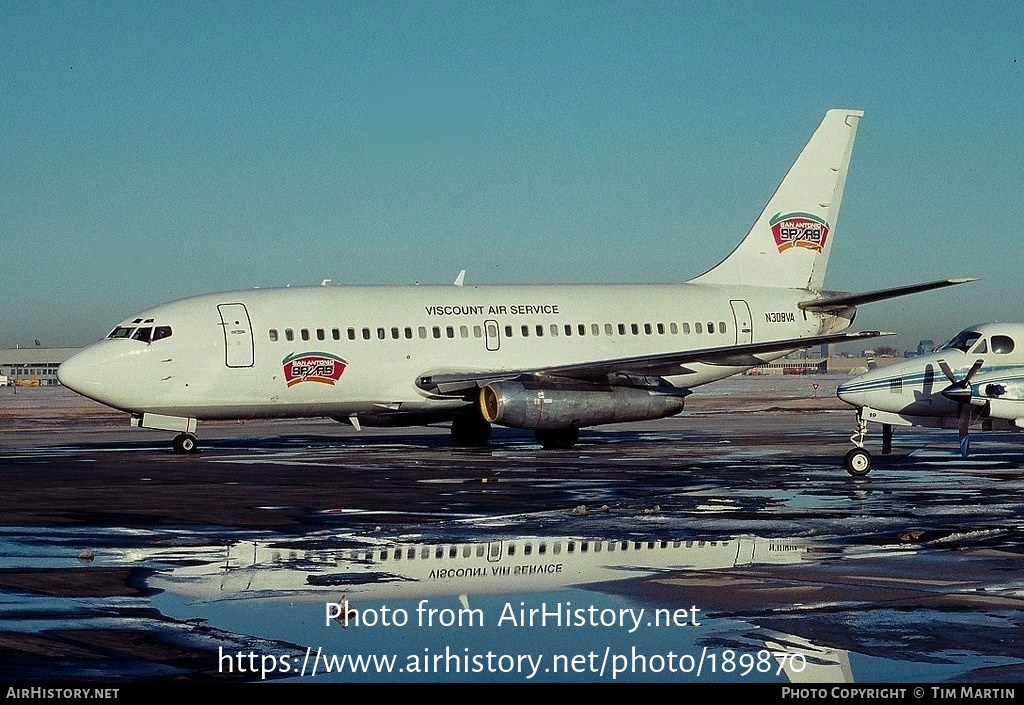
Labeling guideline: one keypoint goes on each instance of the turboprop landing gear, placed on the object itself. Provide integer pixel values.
(557, 438)
(186, 443)
(858, 461)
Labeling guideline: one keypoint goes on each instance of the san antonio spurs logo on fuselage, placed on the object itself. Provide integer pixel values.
(312, 367)
(799, 230)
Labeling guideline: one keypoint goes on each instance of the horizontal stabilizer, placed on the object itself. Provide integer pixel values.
(836, 300)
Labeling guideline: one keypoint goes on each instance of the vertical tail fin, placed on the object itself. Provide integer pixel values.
(789, 243)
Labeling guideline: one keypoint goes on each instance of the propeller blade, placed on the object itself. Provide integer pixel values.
(973, 371)
(963, 418)
(946, 371)
(944, 366)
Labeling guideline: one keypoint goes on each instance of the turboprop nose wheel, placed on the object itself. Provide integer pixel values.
(186, 444)
(858, 462)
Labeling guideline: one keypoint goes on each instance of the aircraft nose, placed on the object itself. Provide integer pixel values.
(71, 373)
(83, 373)
(851, 392)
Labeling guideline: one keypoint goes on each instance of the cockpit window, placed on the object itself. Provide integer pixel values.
(147, 334)
(1002, 344)
(963, 341)
(121, 332)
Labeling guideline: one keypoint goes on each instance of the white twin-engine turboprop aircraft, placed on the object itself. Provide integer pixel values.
(552, 359)
(977, 376)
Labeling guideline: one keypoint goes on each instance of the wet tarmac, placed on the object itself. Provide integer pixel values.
(122, 561)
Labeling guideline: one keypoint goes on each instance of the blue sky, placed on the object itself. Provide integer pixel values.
(155, 151)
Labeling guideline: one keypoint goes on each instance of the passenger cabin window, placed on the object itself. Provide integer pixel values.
(1002, 344)
(273, 335)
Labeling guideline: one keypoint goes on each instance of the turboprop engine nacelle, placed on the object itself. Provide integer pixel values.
(516, 405)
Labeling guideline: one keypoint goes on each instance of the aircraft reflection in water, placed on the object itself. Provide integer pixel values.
(266, 570)
(344, 578)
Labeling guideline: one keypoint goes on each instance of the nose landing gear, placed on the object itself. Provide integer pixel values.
(186, 443)
(858, 461)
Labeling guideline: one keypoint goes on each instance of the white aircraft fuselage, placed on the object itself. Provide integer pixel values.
(552, 359)
(336, 351)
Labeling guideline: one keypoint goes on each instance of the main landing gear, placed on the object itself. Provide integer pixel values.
(557, 438)
(470, 430)
(186, 444)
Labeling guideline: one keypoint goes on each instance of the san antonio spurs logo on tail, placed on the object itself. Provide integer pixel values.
(799, 230)
(312, 367)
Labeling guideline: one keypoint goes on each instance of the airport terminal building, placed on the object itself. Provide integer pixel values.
(32, 367)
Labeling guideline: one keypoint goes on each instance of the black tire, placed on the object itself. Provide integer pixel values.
(470, 431)
(186, 443)
(857, 462)
(557, 438)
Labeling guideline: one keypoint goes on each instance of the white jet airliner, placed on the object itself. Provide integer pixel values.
(976, 376)
(551, 359)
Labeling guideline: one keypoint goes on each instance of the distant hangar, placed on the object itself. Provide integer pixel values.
(32, 367)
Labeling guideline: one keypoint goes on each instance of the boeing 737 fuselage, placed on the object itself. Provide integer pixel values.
(551, 359)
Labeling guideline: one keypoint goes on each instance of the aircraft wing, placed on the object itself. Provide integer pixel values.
(661, 365)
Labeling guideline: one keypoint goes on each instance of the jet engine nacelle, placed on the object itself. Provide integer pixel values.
(516, 405)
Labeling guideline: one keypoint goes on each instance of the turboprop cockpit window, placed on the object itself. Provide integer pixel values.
(963, 342)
